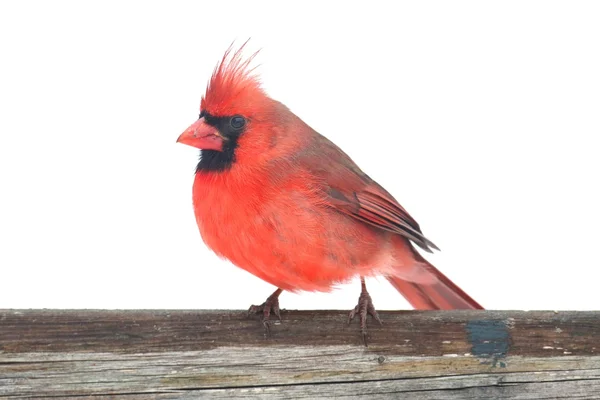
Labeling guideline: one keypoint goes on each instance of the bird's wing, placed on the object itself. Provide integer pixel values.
(353, 193)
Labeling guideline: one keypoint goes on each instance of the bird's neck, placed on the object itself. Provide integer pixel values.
(217, 161)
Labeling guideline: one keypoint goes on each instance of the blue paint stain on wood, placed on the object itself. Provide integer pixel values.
(490, 340)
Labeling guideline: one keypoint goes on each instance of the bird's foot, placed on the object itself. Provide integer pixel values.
(363, 308)
(271, 305)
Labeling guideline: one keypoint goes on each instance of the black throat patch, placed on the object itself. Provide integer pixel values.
(218, 161)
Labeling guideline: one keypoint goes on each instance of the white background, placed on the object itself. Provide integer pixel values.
(482, 118)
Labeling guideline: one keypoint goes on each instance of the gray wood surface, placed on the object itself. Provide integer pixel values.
(311, 354)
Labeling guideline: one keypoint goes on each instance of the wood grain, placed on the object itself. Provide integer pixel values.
(311, 354)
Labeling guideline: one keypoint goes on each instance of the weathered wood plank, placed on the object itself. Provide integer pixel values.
(281, 369)
(186, 354)
(403, 332)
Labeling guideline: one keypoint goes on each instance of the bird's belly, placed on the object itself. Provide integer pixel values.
(294, 246)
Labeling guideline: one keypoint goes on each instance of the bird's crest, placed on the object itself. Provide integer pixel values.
(233, 87)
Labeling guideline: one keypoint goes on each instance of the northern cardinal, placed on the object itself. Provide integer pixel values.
(284, 203)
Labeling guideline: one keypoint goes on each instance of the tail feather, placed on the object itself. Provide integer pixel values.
(441, 295)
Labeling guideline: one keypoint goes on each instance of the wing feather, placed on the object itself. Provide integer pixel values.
(354, 193)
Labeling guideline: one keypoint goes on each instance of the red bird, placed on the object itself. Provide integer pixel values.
(284, 203)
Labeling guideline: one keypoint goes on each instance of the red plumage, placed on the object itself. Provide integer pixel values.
(232, 89)
(284, 203)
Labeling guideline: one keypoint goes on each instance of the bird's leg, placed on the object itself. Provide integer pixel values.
(364, 307)
(270, 305)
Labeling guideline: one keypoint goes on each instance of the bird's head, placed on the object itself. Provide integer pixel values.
(236, 115)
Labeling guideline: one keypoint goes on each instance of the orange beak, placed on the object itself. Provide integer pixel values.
(202, 136)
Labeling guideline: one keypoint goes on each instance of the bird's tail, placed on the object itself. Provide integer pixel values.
(441, 294)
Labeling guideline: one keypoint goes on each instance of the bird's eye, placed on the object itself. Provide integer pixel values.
(237, 122)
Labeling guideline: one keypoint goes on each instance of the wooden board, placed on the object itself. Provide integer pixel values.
(311, 354)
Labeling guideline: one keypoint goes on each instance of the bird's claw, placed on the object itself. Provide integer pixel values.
(271, 305)
(363, 308)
